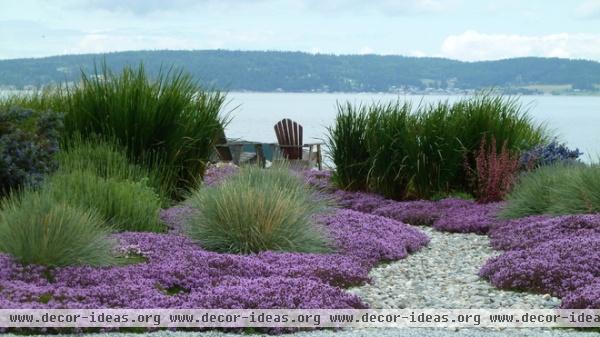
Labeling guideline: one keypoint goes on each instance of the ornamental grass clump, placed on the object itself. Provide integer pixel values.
(347, 145)
(403, 152)
(125, 205)
(258, 210)
(168, 123)
(106, 160)
(36, 229)
(556, 189)
(391, 143)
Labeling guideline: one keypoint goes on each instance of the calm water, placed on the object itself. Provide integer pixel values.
(576, 119)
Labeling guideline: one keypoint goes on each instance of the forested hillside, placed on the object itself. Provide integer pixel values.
(297, 72)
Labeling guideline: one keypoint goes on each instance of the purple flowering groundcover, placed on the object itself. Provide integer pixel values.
(557, 255)
(177, 273)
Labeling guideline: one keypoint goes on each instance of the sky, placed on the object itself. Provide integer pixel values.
(468, 30)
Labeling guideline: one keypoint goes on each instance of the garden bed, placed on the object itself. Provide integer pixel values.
(556, 255)
(177, 273)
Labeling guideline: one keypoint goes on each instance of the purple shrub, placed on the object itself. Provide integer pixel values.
(179, 274)
(530, 231)
(467, 217)
(373, 238)
(548, 154)
(557, 267)
(216, 174)
(448, 215)
(360, 201)
(416, 213)
(28, 144)
(558, 255)
(586, 297)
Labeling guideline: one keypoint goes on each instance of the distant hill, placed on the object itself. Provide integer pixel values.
(302, 72)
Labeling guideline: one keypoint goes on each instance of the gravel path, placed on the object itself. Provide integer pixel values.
(444, 275)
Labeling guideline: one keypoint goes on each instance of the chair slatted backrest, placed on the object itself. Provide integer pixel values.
(222, 149)
(289, 137)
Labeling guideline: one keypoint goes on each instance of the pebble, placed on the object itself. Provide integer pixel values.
(445, 275)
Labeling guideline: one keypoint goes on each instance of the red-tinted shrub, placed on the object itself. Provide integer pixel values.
(494, 171)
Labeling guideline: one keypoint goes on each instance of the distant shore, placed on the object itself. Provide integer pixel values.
(8, 91)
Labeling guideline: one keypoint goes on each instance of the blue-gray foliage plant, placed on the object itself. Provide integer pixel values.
(28, 142)
(551, 153)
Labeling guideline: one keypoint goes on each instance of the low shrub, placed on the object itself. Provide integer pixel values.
(495, 172)
(36, 229)
(268, 280)
(217, 174)
(28, 142)
(257, 210)
(548, 154)
(555, 189)
(125, 205)
(107, 160)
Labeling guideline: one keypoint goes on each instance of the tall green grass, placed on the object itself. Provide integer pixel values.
(556, 189)
(257, 210)
(49, 98)
(419, 152)
(35, 229)
(391, 145)
(347, 144)
(167, 123)
(485, 117)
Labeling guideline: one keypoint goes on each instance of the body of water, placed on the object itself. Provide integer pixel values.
(576, 119)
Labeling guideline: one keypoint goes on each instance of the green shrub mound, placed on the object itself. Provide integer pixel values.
(556, 189)
(257, 210)
(35, 229)
(124, 205)
(106, 160)
(403, 152)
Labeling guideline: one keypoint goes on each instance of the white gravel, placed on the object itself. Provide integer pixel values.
(444, 275)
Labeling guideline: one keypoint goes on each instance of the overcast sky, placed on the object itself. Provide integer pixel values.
(459, 29)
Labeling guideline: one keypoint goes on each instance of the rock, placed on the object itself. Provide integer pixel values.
(444, 276)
